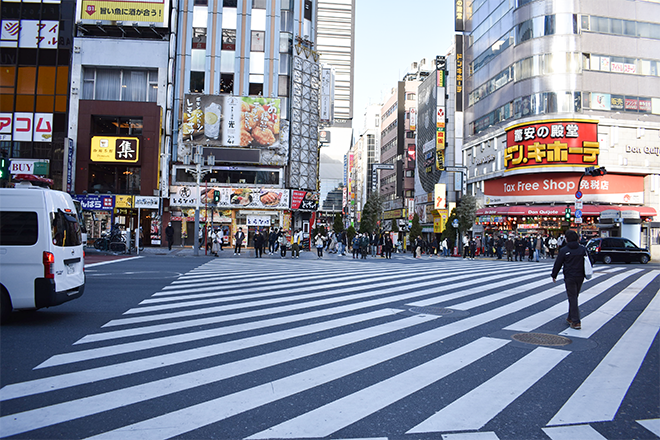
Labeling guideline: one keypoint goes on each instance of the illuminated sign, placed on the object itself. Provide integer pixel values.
(115, 149)
(459, 73)
(552, 143)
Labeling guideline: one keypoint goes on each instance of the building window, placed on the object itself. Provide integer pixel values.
(116, 125)
(120, 85)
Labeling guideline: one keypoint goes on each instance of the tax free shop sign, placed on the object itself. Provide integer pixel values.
(561, 188)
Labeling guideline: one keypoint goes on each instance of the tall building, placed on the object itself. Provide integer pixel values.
(246, 104)
(398, 148)
(552, 88)
(335, 40)
(35, 54)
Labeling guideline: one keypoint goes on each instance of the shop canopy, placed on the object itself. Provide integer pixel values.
(558, 210)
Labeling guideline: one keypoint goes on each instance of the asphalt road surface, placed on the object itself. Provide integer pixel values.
(242, 348)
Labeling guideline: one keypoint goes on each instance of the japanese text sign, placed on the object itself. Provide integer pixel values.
(305, 200)
(130, 11)
(115, 149)
(94, 202)
(552, 143)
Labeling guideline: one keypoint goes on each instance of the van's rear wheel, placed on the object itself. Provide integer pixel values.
(5, 305)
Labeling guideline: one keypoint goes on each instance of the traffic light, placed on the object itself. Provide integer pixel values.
(216, 196)
(595, 171)
(4, 168)
(567, 214)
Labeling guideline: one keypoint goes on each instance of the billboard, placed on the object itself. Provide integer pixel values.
(231, 121)
(142, 12)
(28, 127)
(552, 143)
(459, 73)
(305, 200)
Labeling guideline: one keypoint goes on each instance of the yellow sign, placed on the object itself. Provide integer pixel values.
(440, 222)
(129, 11)
(123, 201)
(115, 149)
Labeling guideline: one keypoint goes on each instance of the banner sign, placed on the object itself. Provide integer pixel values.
(239, 198)
(146, 202)
(93, 202)
(231, 121)
(558, 187)
(129, 11)
(27, 127)
(552, 143)
(304, 200)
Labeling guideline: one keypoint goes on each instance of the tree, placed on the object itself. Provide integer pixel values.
(371, 213)
(466, 212)
(350, 234)
(415, 229)
(338, 225)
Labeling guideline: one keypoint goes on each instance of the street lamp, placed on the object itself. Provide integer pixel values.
(199, 171)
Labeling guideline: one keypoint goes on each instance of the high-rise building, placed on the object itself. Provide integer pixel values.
(246, 104)
(398, 148)
(335, 40)
(552, 88)
(35, 54)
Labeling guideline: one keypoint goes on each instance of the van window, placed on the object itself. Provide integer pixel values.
(66, 229)
(18, 228)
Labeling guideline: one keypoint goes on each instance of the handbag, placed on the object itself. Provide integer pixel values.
(588, 269)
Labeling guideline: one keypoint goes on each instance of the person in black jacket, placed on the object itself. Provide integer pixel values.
(571, 257)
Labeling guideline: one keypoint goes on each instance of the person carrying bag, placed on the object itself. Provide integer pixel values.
(572, 258)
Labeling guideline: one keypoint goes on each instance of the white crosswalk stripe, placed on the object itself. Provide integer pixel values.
(337, 345)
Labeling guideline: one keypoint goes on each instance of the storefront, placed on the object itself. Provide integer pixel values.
(228, 208)
(97, 212)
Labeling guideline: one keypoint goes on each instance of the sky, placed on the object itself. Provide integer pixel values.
(389, 36)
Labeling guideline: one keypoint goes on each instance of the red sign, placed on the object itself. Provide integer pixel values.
(558, 187)
(304, 200)
(552, 143)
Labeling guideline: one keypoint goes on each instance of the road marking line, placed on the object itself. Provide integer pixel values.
(476, 408)
(581, 432)
(101, 263)
(652, 425)
(347, 410)
(599, 397)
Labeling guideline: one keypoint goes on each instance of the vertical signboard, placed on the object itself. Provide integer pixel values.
(459, 73)
(440, 125)
(460, 23)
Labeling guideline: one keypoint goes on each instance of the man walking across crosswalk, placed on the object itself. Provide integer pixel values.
(571, 257)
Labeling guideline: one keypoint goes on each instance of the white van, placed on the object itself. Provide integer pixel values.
(41, 249)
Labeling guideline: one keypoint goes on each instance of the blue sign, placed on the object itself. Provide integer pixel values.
(578, 213)
(455, 223)
(578, 195)
(93, 202)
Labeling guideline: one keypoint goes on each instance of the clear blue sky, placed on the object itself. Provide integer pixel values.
(389, 36)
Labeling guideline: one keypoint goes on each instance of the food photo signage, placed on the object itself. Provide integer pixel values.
(561, 187)
(305, 201)
(552, 143)
(231, 121)
(238, 198)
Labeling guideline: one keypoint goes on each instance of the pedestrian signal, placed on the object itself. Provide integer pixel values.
(4, 168)
(216, 196)
(567, 214)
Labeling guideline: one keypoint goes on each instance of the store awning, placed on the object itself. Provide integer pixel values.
(558, 210)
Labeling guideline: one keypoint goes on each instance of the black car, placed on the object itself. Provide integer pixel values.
(616, 249)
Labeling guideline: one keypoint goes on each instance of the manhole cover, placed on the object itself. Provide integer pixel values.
(440, 311)
(541, 339)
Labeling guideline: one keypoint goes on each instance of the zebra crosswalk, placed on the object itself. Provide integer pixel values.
(239, 349)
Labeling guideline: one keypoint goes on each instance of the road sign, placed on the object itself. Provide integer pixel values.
(578, 205)
(455, 169)
(578, 195)
(455, 223)
(578, 213)
(578, 219)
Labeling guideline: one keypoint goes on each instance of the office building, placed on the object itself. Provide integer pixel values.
(552, 88)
